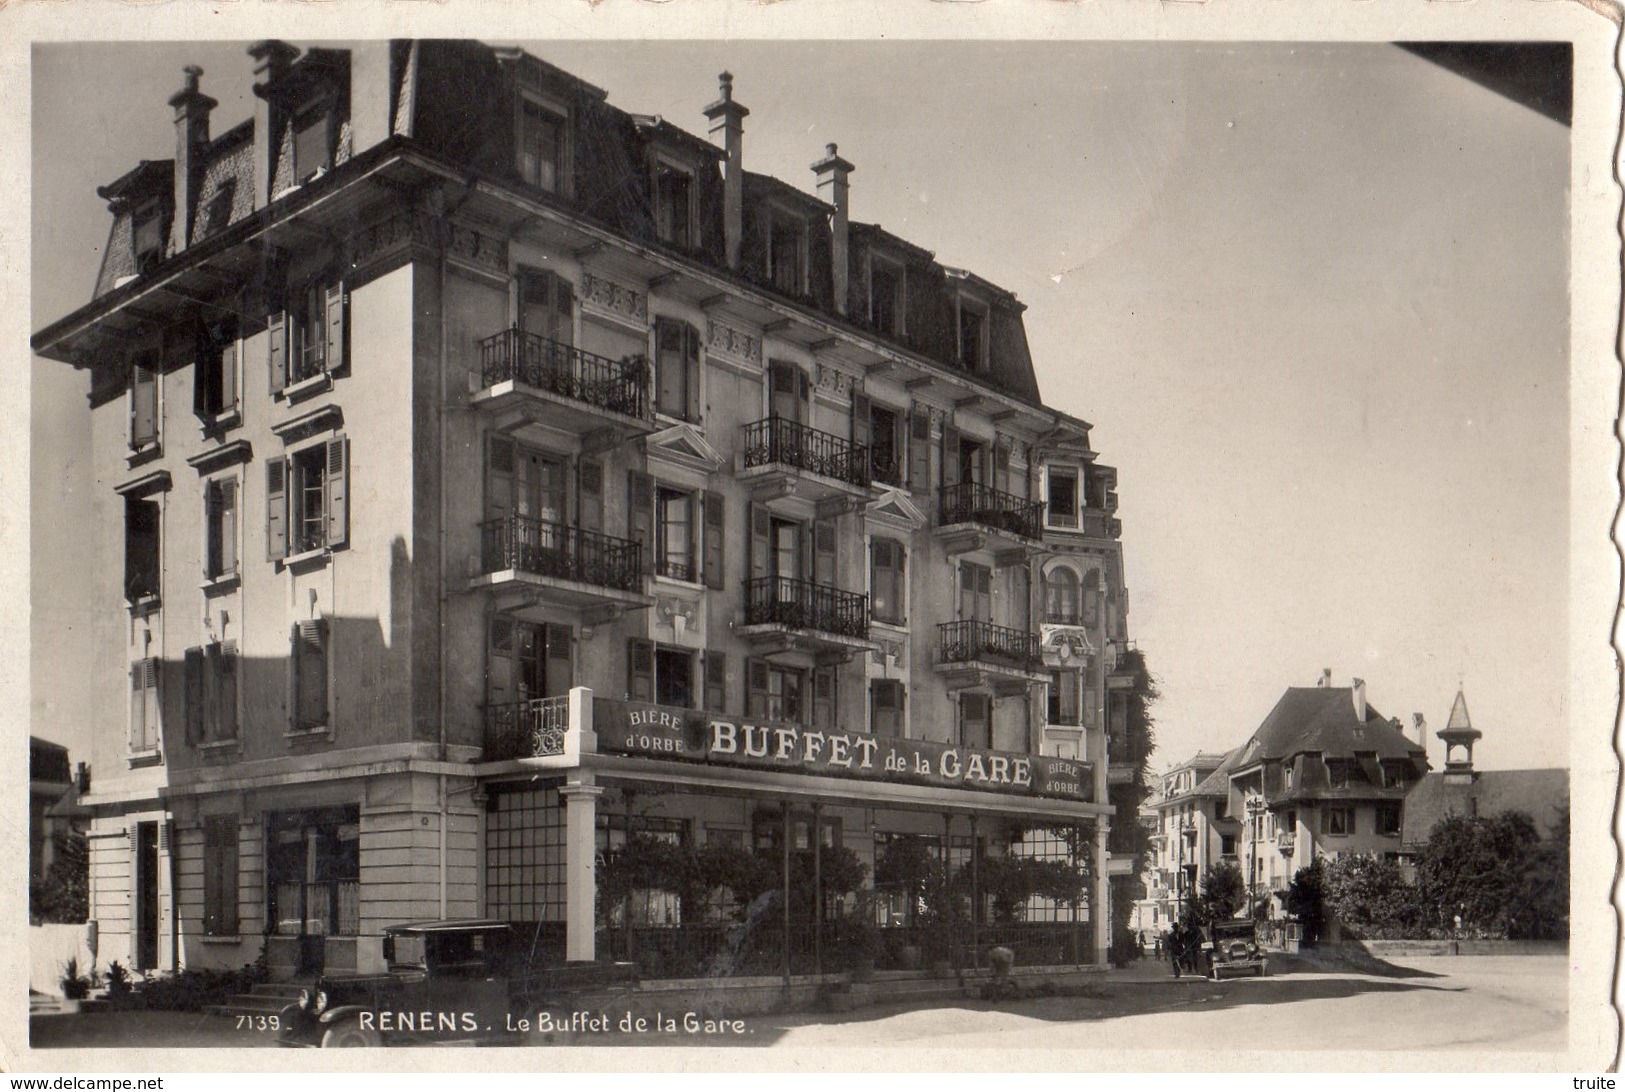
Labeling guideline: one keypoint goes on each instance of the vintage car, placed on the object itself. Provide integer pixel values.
(1232, 946)
(464, 981)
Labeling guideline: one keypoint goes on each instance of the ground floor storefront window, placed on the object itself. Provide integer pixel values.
(313, 872)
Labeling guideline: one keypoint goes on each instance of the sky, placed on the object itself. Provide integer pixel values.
(1313, 299)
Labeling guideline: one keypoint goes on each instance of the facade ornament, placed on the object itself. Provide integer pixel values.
(618, 299)
(835, 381)
(724, 340)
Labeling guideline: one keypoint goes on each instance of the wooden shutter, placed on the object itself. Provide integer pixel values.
(205, 374)
(563, 311)
(860, 419)
(228, 373)
(823, 552)
(590, 502)
(755, 688)
(1021, 592)
(144, 402)
(919, 449)
(823, 703)
(640, 512)
(716, 682)
(640, 670)
(761, 541)
(225, 658)
(337, 484)
(715, 550)
(803, 396)
(335, 356)
(276, 508)
(691, 369)
(951, 470)
(276, 333)
(560, 675)
(192, 675)
(499, 464)
(226, 509)
(310, 674)
(137, 710)
(1001, 464)
(499, 661)
(149, 701)
(1091, 598)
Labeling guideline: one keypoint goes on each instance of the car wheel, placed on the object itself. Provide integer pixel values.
(350, 1034)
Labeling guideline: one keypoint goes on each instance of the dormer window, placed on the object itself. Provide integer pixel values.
(786, 253)
(312, 143)
(541, 152)
(148, 234)
(972, 319)
(674, 205)
(1061, 497)
(886, 300)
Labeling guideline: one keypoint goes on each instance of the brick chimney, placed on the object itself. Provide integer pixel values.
(1325, 679)
(833, 172)
(191, 108)
(1359, 700)
(728, 131)
(272, 59)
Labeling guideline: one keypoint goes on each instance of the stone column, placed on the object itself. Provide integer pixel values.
(580, 871)
(1099, 911)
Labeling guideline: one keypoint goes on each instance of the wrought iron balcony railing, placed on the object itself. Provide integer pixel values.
(547, 365)
(969, 502)
(972, 639)
(526, 729)
(782, 600)
(780, 440)
(564, 553)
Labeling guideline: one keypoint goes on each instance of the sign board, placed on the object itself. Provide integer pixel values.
(657, 731)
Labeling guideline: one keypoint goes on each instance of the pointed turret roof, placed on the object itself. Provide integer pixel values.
(1461, 724)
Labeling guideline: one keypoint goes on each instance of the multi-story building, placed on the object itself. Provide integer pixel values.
(1193, 831)
(496, 474)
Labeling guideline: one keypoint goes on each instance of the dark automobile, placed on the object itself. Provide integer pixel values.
(1233, 946)
(445, 982)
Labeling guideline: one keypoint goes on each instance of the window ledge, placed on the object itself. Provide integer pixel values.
(146, 453)
(224, 938)
(678, 585)
(146, 606)
(898, 628)
(311, 559)
(308, 735)
(663, 418)
(221, 422)
(316, 384)
(221, 746)
(141, 759)
(213, 585)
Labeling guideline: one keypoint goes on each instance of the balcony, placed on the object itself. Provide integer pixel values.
(557, 564)
(780, 457)
(971, 516)
(977, 653)
(1286, 843)
(526, 729)
(528, 378)
(784, 614)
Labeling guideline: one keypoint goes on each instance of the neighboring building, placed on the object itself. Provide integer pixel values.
(1459, 789)
(1324, 774)
(52, 803)
(1194, 830)
(500, 474)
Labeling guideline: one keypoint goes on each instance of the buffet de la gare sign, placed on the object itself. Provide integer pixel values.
(655, 731)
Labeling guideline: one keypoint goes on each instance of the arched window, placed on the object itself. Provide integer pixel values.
(1061, 597)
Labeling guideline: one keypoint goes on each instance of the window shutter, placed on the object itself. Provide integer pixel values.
(226, 691)
(228, 373)
(590, 506)
(336, 357)
(276, 332)
(716, 682)
(499, 661)
(499, 460)
(137, 710)
(823, 703)
(204, 375)
(1091, 598)
(560, 676)
(755, 688)
(951, 470)
(337, 484)
(196, 697)
(919, 450)
(640, 670)
(824, 552)
(715, 549)
(761, 540)
(276, 508)
(1021, 593)
(564, 311)
(640, 515)
(803, 396)
(227, 501)
(691, 366)
(860, 419)
(144, 403)
(149, 702)
(310, 667)
(1001, 464)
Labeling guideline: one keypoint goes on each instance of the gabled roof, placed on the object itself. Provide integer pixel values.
(1538, 793)
(1321, 720)
(1217, 783)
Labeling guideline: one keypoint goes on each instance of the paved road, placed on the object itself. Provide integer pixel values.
(1467, 1003)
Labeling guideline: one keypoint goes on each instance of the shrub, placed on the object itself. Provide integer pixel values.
(75, 986)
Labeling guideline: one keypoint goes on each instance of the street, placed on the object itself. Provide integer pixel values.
(1465, 1003)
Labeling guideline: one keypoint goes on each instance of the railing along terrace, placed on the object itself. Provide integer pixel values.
(971, 502)
(565, 553)
(973, 639)
(526, 729)
(548, 365)
(780, 440)
(783, 600)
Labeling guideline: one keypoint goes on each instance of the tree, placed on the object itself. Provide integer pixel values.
(1495, 872)
(63, 895)
(1371, 895)
(1224, 892)
(1306, 899)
